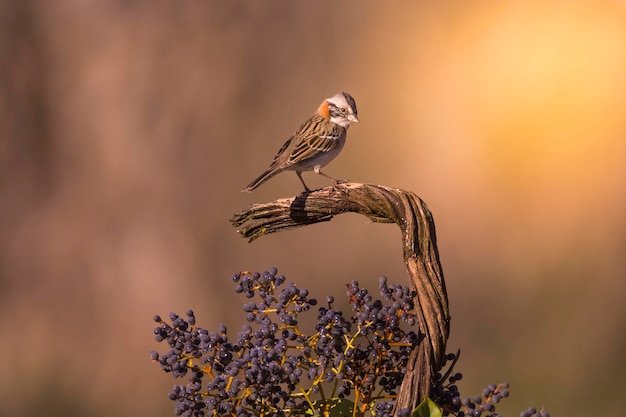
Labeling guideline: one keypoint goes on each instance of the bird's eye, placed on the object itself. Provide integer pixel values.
(342, 110)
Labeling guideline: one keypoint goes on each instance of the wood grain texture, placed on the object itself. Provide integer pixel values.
(382, 205)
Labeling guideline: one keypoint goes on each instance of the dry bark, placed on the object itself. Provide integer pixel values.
(381, 205)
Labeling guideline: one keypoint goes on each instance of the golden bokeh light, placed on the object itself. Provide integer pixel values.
(128, 129)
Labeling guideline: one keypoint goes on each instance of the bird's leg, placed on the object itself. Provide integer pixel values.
(306, 189)
(334, 180)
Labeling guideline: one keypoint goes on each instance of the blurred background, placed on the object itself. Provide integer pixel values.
(127, 130)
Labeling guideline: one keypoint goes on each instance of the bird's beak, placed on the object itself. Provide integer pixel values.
(353, 118)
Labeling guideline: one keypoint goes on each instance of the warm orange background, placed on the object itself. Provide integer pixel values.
(128, 128)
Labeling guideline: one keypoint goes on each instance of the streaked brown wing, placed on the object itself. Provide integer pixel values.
(316, 137)
(280, 157)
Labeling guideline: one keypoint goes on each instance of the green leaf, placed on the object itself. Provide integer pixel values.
(427, 409)
(337, 407)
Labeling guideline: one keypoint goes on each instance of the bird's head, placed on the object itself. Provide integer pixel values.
(340, 109)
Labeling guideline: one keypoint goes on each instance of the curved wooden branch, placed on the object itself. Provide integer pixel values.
(382, 205)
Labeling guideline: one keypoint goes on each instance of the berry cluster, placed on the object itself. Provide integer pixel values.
(348, 366)
(273, 368)
(532, 412)
(446, 393)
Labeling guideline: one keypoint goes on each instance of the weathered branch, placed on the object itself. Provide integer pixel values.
(383, 205)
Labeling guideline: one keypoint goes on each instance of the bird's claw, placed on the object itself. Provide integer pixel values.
(338, 189)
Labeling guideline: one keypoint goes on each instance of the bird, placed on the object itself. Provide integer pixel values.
(316, 142)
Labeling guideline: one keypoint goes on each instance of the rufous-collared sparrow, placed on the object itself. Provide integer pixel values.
(317, 142)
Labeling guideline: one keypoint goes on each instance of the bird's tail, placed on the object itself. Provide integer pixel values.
(262, 178)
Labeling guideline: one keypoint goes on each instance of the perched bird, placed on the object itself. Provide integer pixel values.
(317, 142)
